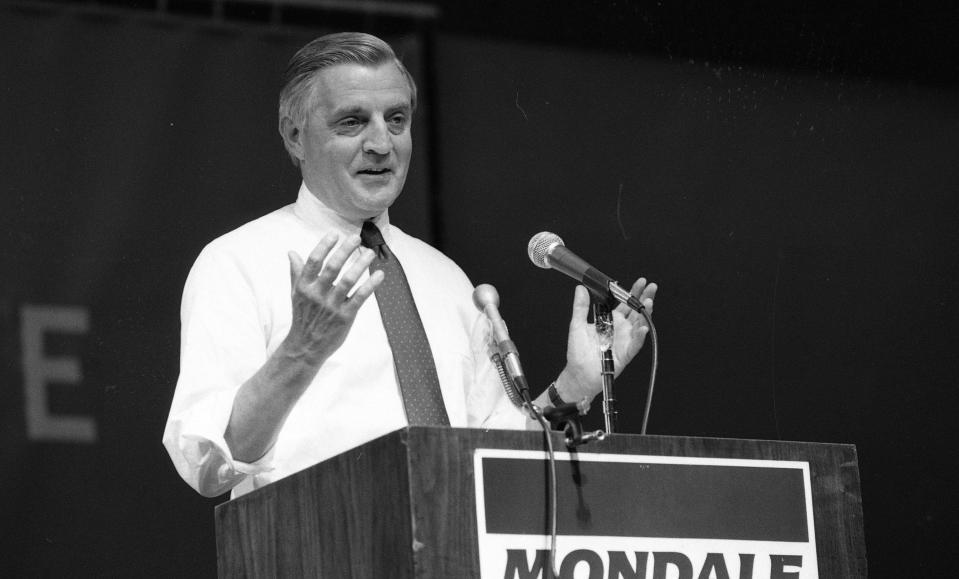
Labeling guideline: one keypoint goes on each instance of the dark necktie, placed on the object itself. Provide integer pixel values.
(415, 369)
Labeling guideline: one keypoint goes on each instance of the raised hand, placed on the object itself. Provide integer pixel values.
(324, 308)
(324, 301)
(581, 377)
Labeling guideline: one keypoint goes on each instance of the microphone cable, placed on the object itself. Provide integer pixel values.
(552, 505)
(654, 365)
(536, 414)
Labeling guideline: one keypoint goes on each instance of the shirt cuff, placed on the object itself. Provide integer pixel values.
(195, 441)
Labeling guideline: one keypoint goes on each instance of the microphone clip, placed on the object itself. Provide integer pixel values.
(567, 417)
(605, 299)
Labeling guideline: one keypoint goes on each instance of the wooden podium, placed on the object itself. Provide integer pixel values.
(405, 506)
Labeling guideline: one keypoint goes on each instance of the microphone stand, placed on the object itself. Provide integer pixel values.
(619, 295)
(603, 319)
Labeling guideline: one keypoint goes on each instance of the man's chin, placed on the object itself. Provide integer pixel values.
(380, 187)
(376, 201)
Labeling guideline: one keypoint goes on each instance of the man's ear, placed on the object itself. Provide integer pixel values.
(292, 137)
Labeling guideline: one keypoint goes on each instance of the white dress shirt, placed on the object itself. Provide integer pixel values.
(236, 311)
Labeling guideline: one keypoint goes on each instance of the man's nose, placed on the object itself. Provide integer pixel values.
(377, 139)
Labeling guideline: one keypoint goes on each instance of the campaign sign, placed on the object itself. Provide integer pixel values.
(644, 517)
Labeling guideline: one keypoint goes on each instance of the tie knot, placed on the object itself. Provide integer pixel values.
(370, 236)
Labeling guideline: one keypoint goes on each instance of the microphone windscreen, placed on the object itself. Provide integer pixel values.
(483, 295)
(540, 246)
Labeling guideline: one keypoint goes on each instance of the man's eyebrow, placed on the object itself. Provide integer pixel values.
(349, 110)
(401, 106)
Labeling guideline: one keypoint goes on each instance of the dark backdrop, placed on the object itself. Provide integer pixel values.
(796, 204)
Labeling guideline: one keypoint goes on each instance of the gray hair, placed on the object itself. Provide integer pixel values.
(299, 80)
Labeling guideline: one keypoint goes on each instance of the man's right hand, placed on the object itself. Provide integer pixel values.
(323, 306)
(323, 313)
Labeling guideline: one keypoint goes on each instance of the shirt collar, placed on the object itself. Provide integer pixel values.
(318, 216)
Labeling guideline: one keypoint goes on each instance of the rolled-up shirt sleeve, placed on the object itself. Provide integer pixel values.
(223, 343)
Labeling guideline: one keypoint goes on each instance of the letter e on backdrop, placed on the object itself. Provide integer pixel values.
(40, 371)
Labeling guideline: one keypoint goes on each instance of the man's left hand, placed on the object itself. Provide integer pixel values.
(582, 375)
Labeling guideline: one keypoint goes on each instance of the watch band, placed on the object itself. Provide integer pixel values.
(554, 397)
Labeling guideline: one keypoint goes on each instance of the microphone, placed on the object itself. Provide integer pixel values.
(547, 250)
(486, 299)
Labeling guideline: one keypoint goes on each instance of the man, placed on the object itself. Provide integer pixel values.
(287, 361)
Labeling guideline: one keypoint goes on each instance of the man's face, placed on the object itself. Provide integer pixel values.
(356, 142)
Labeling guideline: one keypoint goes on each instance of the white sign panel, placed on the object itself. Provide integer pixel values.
(645, 517)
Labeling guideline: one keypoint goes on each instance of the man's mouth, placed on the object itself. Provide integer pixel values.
(374, 172)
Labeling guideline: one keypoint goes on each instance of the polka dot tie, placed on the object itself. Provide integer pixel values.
(415, 368)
